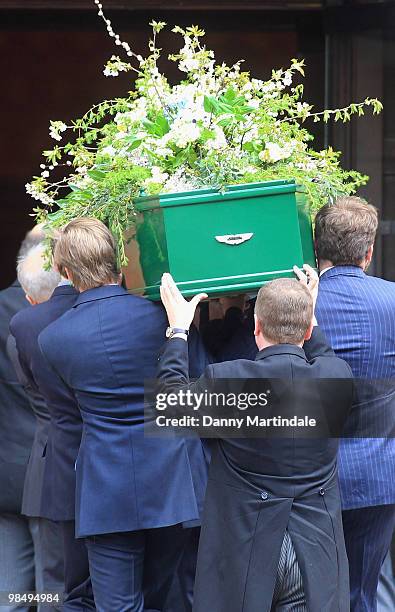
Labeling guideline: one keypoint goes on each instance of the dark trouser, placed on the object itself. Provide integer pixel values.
(181, 593)
(17, 563)
(386, 589)
(31, 558)
(367, 532)
(48, 553)
(78, 586)
(133, 571)
(289, 595)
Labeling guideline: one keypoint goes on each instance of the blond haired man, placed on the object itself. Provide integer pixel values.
(133, 493)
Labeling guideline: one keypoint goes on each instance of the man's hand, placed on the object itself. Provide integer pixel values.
(310, 279)
(179, 312)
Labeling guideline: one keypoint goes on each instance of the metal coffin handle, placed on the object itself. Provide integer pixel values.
(234, 239)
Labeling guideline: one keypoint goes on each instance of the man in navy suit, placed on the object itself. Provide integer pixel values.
(357, 313)
(272, 535)
(38, 285)
(133, 493)
(17, 425)
(62, 441)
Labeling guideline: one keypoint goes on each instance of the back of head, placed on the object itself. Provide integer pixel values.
(37, 282)
(284, 308)
(345, 230)
(33, 237)
(86, 249)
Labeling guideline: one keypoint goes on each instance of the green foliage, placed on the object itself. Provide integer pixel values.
(218, 126)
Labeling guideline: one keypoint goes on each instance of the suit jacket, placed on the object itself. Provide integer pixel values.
(104, 348)
(50, 482)
(357, 313)
(231, 337)
(17, 422)
(260, 487)
(32, 489)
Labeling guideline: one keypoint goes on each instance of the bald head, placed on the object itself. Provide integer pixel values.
(37, 282)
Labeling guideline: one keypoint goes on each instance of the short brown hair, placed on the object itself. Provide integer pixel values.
(284, 308)
(87, 249)
(345, 230)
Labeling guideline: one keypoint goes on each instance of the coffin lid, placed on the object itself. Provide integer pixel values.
(202, 196)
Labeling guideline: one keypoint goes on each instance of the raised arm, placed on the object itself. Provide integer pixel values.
(174, 359)
(317, 345)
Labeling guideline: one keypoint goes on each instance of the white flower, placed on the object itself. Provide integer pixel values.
(183, 133)
(109, 150)
(157, 176)
(115, 65)
(307, 165)
(287, 80)
(110, 72)
(179, 182)
(163, 151)
(254, 103)
(268, 87)
(219, 140)
(55, 129)
(302, 107)
(38, 193)
(273, 152)
(252, 134)
(257, 84)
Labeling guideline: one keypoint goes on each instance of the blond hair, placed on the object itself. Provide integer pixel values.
(284, 308)
(87, 249)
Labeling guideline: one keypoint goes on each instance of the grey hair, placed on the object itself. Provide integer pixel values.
(33, 237)
(37, 282)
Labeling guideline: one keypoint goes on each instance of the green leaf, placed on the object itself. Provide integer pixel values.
(211, 105)
(159, 127)
(206, 135)
(225, 122)
(229, 96)
(134, 142)
(96, 175)
(249, 146)
(162, 124)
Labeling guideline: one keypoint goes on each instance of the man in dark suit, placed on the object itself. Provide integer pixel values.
(17, 425)
(62, 440)
(272, 535)
(133, 494)
(357, 313)
(38, 285)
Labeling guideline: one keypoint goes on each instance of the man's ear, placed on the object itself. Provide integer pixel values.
(30, 300)
(369, 256)
(68, 275)
(309, 331)
(257, 326)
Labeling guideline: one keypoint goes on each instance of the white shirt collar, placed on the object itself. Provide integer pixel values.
(326, 270)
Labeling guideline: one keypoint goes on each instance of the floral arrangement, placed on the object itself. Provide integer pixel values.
(218, 126)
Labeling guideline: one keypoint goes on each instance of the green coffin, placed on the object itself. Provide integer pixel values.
(220, 243)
